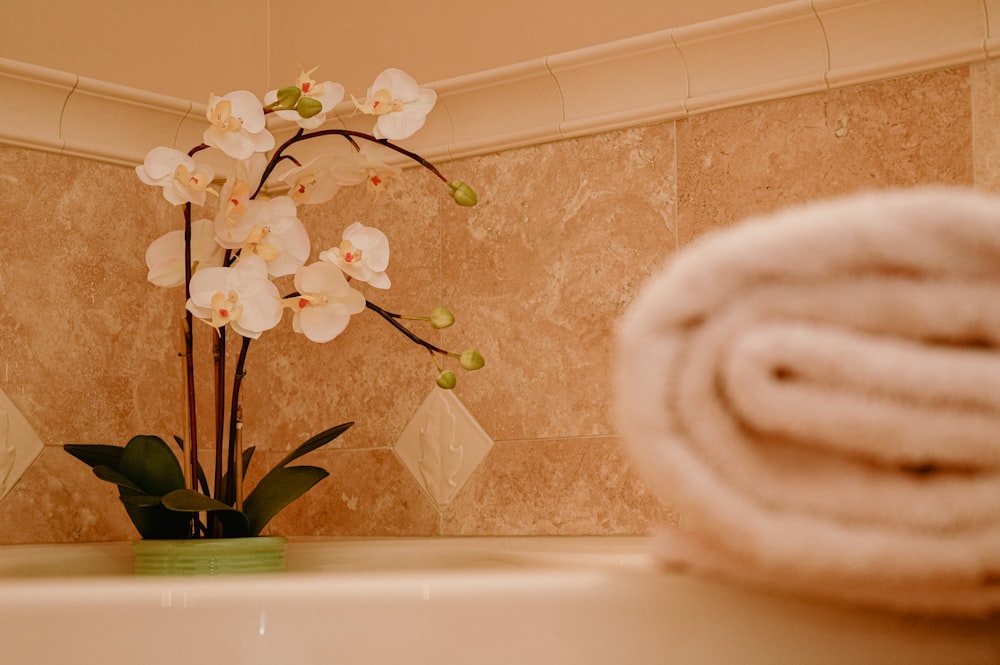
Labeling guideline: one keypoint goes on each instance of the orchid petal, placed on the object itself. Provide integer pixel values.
(238, 125)
(375, 243)
(402, 86)
(314, 181)
(251, 300)
(165, 255)
(363, 254)
(182, 178)
(325, 302)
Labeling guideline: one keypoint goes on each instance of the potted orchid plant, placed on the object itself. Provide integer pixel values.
(228, 264)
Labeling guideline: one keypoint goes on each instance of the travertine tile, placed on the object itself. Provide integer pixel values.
(749, 160)
(555, 487)
(81, 335)
(368, 493)
(538, 275)
(540, 272)
(369, 374)
(986, 124)
(59, 500)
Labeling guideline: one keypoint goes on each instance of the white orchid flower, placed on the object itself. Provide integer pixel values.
(314, 181)
(182, 178)
(325, 302)
(363, 254)
(269, 229)
(241, 296)
(363, 166)
(399, 104)
(165, 255)
(326, 94)
(236, 192)
(238, 126)
(284, 245)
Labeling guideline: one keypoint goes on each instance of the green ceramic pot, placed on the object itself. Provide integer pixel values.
(210, 556)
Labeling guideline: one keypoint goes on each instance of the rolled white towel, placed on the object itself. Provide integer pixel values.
(817, 393)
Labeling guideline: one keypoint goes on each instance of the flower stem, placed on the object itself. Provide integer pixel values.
(219, 356)
(393, 320)
(350, 135)
(189, 347)
(191, 444)
(235, 422)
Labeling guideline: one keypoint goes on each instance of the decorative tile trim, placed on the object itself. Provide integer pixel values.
(876, 39)
(787, 49)
(19, 445)
(993, 27)
(442, 445)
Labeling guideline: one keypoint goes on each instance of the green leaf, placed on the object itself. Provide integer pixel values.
(234, 522)
(150, 463)
(151, 519)
(318, 441)
(227, 476)
(247, 457)
(110, 475)
(95, 454)
(277, 489)
(140, 500)
(190, 501)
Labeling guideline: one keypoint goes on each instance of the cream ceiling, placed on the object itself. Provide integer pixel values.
(189, 48)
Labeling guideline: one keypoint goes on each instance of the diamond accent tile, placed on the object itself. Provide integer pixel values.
(442, 445)
(19, 445)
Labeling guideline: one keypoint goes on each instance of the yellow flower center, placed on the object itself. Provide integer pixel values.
(307, 85)
(305, 300)
(183, 175)
(237, 204)
(300, 190)
(350, 253)
(256, 243)
(221, 115)
(382, 103)
(225, 308)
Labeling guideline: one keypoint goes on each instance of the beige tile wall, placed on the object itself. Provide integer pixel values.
(537, 274)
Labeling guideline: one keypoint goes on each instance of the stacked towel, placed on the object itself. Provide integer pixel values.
(817, 393)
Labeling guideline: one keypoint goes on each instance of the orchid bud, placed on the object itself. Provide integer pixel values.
(308, 107)
(471, 359)
(288, 96)
(446, 379)
(462, 193)
(441, 318)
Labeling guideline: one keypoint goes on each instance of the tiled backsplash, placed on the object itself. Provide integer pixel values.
(537, 274)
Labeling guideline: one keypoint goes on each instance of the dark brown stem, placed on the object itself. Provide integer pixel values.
(235, 455)
(220, 405)
(393, 320)
(350, 135)
(191, 445)
(219, 356)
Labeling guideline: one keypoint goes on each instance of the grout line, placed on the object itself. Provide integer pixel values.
(974, 139)
(676, 193)
(180, 124)
(826, 44)
(988, 36)
(570, 437)
(562, 99)
(62, 113)
(687, 74)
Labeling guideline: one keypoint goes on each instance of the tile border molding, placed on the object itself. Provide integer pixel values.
(787, 49)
